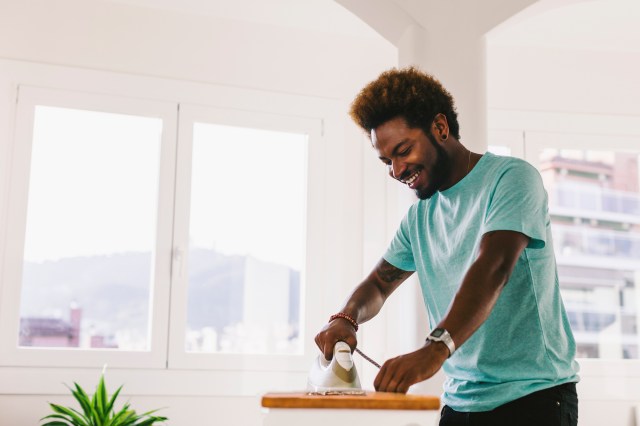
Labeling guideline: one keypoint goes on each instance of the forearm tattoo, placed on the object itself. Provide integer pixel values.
(390, 274)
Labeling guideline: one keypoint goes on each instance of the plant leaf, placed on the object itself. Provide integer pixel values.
(83, 399)
(98, 410)
(82, 416)
(125, 409)
(112, 401)
(151, 420)
(79, 420)
(122, 417)
(57, 416)
(129, 417)
(102, 389)
(116, 420)
(98, 402)
(148, 413)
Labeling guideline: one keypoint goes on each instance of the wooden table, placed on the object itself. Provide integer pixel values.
(373, 408)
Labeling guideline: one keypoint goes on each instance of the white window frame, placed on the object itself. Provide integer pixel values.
(334, 233)
(310, 284)
(10, 353)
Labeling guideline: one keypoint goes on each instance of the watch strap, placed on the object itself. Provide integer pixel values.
(444, 337)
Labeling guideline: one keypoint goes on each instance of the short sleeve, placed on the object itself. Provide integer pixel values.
(399, 252)
(519, 203)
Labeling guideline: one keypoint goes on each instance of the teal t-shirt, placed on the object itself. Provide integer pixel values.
(526, 344)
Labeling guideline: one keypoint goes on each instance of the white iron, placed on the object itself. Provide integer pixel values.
(338, 376)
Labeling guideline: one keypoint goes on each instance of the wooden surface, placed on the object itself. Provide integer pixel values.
(370, 401)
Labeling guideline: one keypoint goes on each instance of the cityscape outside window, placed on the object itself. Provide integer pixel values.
(594, 203)
(90, 233)
(246, 240)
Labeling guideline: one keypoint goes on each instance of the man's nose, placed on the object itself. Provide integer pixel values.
(396, 169)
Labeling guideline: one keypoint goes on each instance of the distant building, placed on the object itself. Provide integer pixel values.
(51, 332)
(594, 205)
(47, 332)
(104, 342)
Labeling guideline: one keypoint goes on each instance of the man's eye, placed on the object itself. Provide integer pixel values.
(405, 152)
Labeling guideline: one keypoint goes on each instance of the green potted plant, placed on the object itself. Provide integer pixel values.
(98, 410)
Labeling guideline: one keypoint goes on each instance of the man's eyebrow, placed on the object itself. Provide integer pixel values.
(397, 147)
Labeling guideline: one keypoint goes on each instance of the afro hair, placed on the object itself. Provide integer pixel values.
(408, 93)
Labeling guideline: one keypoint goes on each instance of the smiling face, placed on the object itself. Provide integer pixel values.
(413, 157)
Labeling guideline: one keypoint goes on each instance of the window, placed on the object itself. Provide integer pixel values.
(166, 235)
(87, 227)
(593, 183)
(499, 150)
(246, 240)
(90, 231)
(241, 236)
(507, 142)
(594, 203)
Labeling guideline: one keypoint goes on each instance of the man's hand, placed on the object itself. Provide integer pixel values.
(337, 330)
(397, 374)
(362, 305)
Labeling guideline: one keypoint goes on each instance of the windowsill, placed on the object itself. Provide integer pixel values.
(150, 382)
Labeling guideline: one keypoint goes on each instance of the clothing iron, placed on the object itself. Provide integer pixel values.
(335, 377)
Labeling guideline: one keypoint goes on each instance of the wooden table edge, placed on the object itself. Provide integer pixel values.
(371, 401)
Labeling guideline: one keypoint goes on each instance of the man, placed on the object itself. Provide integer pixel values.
(479, 239)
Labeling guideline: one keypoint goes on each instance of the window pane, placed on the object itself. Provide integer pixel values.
(246, 240)
(90, 230)
(594, 201)
(499, 150)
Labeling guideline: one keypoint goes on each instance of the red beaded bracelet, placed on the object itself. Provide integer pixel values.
(345, 317)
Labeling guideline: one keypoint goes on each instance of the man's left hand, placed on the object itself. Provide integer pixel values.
(397, 374)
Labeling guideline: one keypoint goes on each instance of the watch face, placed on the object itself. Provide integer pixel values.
(437, 332)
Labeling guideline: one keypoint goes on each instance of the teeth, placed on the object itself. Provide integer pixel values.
(411, 178)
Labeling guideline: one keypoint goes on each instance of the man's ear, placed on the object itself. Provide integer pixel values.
(440, 127)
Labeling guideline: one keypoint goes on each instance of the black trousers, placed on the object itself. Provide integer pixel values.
(556, 406)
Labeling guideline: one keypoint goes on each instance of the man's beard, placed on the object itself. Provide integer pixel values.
(439, 173)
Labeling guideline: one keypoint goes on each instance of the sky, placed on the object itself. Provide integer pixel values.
(94, 187)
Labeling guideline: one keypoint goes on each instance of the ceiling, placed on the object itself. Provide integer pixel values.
(600, 25)
(610, 25)
(318, 15)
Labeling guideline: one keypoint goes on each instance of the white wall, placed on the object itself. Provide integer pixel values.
(561, 80)
(110, 36)
(181, 47)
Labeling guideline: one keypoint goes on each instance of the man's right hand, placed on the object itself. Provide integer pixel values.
(363, 304)
(335, 331)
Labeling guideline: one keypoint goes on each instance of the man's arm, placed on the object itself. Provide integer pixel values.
(471, 306)
(362, 305)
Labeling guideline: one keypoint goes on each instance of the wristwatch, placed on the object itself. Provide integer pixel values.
(442, 335)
